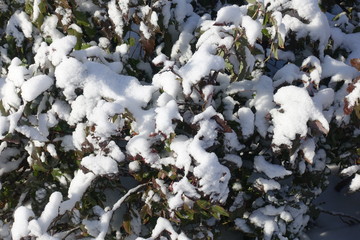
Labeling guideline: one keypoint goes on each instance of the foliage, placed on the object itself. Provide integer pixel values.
(147, 119)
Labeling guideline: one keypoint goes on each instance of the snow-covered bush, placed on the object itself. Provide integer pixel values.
(173, 119)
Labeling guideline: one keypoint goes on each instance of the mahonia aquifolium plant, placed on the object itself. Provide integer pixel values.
(173, 119)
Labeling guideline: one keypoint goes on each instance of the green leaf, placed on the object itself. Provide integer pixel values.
(81, 19)
(266, 33)
(132, 41)
(203, 204)
(28, 8)
(85, 46)
(218, 211)
(266, 19)
(280, 41)
(78, 38)
(253, 11)
(357, 110)
(251, 1)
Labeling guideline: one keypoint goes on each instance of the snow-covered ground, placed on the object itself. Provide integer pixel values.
(332, 227)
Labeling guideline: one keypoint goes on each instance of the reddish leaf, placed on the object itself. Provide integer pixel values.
(350, 88)
(148, 45)
(222, 123)
(347, 109)
(219, 24)
(355, 62)
(317, 127)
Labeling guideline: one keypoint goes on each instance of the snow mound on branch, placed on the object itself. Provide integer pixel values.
(230, 14)
(267, 184)
(252, 29)
(263, 103)
(200, 65)
(100, 165)
(271, 170)
(99, 82)
(166, 113)
(33, 87)
(296, 110)
(20, 225)
(19, 26)
(355, 183)
(162, 225)
(246, 119)
(316, 29)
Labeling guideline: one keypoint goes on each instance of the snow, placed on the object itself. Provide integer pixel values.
(337, 70)
(34, 86)
(7, 164)
(77, 188)
(36, 10)
(115, 16)
(140, 145)
(263, 103)
(49, 28)
(200, 64)
(183, 187)
(230, 14)
(297, 108)
(134, 166)
(354, 97)
(104, 42)
(166, 113)
(145, 30)
(246, 119)
(267, 184)
(349, 171)
(59, 48)
(315, 74)
(309, 10)
(19, 21)
(267, 223)
(50, 212)
(180, 145)
(355, 183)
(308, 148)
(17, 73)
(20, 226)
(163, 224)
(287, 74)
(100, 165)
(234, 159)
(271, 170)
(252, 29)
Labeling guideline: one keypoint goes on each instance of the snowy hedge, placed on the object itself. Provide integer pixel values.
(173, 119)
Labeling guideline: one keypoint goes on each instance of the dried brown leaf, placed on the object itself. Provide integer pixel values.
(222, 123)
(355, 62)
